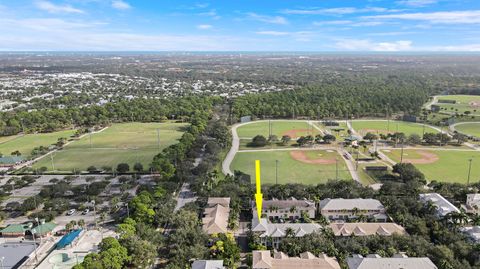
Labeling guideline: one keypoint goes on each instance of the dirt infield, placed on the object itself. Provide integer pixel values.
(296, 132)
(474, 104)
(427, 157)
(299, 155)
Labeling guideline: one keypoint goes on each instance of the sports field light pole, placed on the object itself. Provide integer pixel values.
(336, 168)
(469, 170)
(35, 243)
(53, 165)
(158, 138)
(401, 153)
(276, 172)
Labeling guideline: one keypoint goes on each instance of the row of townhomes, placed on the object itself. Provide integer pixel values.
(297, 218)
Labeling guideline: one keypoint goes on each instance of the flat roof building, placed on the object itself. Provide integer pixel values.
(208, 264)
(443, 206)
(398, 261)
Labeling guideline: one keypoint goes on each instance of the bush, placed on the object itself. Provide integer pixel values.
(123, 167)
(259, 141)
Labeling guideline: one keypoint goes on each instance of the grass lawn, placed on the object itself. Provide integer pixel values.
(124, 142)
(451, 166)
(289, 169)
(464, 103)
(408, 128)
(25, 144)
(279, 128)
(469, 129)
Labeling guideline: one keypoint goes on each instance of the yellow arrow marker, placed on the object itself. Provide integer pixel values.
(258, 195)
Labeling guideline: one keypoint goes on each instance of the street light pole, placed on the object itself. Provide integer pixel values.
(336, 168)
(469, 170)
(401, 154)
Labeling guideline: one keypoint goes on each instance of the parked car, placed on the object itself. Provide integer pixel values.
(85, 212)
(71, 212)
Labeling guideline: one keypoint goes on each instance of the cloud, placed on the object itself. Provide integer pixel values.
(337, 22)
(212, 13)
(417, 3)
(272, 33)
(53, 8)
(337, 11)
(445, 17)
(367, 45)
(204, 26)
(267, 19)
(121, 5)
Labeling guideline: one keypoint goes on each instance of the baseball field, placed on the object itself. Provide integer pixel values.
(385, 127)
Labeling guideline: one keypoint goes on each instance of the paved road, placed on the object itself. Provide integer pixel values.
(184, 197)
(233, 150)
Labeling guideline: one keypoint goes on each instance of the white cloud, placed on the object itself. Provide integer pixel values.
(445, 17)
(417, 3)
(367, 45)
(337, 22)
(121, 5)
(53, 8)
(267, 19)
(204, 26)
(273, 33)
(337, 11)
(212, 13)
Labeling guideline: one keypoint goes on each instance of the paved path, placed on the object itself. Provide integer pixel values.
(433, 101)
(184, 197)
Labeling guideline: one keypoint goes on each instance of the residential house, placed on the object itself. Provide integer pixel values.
(398, 261)
(472, 205)
(264, 260)
(271, 234)
(366, 228)
(442, 205)
(348, 209)
(215, 217)
(473, 233)
(208, 264)
(290, 209)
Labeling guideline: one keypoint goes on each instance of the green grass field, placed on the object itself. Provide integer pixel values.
(279, 128)
(385, 127)
(451, 166)
(25, 144)
(125, 142)
(289, 169)
(464, 103)
(469, 129)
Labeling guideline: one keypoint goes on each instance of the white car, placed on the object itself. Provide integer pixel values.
(85, 212)
(71, 212)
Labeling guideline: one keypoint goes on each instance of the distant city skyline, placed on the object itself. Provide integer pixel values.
(185, 25)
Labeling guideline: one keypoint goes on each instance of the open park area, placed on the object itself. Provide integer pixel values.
(292, 128)
(385, 127)
(120, 143)
(469, 128)
(26, 143)
(459, 103)
(441, 164)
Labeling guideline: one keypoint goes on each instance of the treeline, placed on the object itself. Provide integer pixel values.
(366, 96)
(142, 110)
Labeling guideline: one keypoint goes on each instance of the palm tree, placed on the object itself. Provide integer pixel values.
(81, 223)
(289, 232)
(293, 209)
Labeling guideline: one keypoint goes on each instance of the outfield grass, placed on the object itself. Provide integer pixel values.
(469, 129)
(385, 127)
(120, 143)
(25, 144)
(279, 128)
(452, 165)
(290, 170)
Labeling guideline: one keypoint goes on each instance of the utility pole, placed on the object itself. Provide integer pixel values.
(336, 168)
(53, 165)
(276, 172)
(401, 154)
(158, 138)
(469, 170)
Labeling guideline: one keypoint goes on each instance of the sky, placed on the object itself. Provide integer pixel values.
(240, 25)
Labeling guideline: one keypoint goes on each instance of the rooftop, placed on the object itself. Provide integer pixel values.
(350, 204)
(364, 229)
(472, 232)
(11, 159)
(281, 229)
(263, 259)
(397, 262)
(208, 264)
(215, 218)
(443, 205)
(14, 253)
(286, 204)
